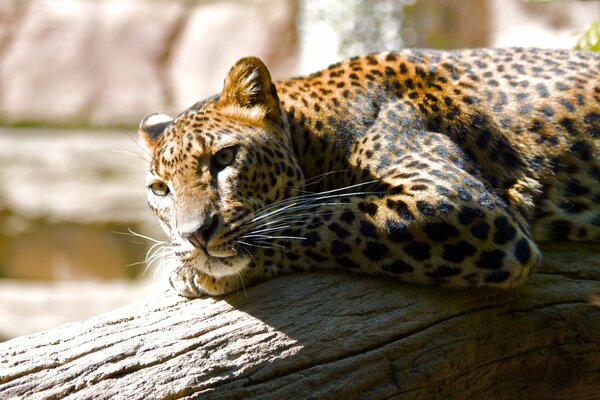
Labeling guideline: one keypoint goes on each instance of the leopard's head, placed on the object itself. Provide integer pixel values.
(217, 167)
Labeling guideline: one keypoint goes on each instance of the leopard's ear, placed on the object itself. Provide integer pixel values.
(248, 88)
(151, 129)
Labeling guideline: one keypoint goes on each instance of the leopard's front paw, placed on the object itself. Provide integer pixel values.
(191, 283)
(186, 283)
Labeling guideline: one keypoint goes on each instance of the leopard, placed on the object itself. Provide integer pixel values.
(443, 167)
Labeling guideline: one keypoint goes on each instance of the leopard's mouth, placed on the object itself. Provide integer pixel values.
(219, 256)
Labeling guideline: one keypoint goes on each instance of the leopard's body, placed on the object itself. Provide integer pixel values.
(428, 166)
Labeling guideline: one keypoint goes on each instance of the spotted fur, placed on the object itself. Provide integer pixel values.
(427, 166)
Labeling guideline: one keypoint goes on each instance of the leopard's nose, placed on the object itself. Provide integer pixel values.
(200, 236)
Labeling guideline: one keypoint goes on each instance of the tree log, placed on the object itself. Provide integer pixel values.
(331, 335)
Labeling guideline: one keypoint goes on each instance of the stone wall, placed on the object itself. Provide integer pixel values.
(88, 62)
(107, 62)
(67, 199)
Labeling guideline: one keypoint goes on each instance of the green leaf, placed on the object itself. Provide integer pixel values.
(590, 39)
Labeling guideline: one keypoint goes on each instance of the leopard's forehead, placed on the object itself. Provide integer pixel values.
(197, 133)
(190, 137)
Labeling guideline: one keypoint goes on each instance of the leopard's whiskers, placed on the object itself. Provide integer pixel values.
(310, 198)
(267, 225)
(160, 252)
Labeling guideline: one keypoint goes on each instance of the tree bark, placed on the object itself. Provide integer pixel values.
(331, 335)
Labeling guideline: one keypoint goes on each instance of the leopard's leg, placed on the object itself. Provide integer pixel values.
(428, 221)
(570, 206)
(190, 282)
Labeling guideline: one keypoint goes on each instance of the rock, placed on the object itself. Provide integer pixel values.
(79, 61)
(11, 13)
(67, 202)
(107, 63)
(72, 176)
(219, 33)
(554, 25)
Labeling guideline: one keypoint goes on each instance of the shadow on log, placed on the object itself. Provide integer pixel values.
(327, 335)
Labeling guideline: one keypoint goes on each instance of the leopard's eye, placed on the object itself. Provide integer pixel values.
(159, 188)
(224, 157)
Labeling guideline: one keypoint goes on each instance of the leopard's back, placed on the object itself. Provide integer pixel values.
(525, 121)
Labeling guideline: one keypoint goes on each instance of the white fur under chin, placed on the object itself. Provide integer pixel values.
(220, 267)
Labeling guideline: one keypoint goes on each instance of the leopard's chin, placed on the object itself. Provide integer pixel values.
(219, 267)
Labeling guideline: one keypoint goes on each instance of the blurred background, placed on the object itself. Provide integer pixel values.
(76, 76)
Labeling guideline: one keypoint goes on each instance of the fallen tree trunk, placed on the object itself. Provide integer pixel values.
(326, 335)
